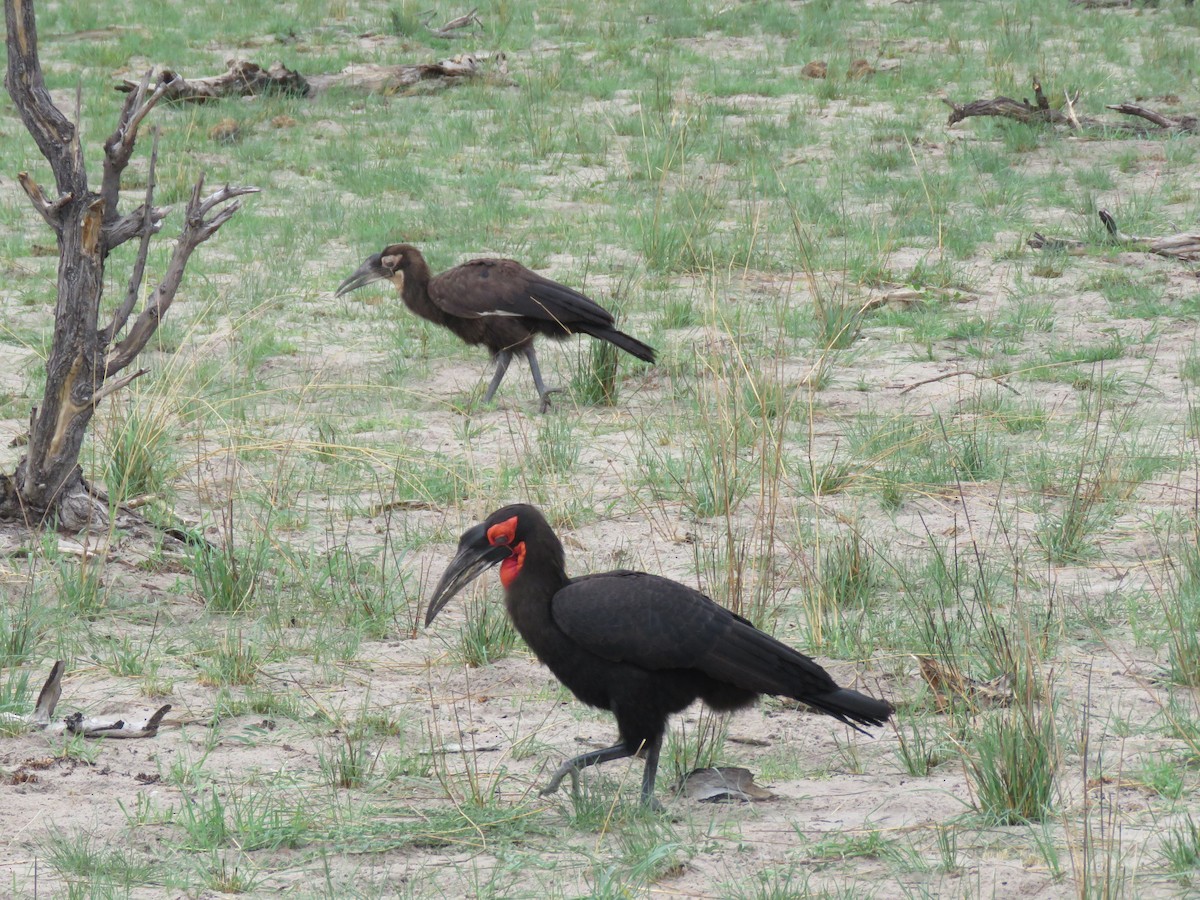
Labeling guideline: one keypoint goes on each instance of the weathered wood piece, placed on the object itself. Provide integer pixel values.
(242, 79)
(83, 364)
(1040, 112)
(952, 688)
(466, 19)
(1184, 246)
(1187, 124)
(41, 719)
(248, 79)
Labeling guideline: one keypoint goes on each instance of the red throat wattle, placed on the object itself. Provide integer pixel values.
(511, 567)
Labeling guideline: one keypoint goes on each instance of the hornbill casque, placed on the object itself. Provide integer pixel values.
(641, 646)
(495, 302)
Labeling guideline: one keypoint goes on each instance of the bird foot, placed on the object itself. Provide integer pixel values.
(651, 804)
(557, 780)
(544, 407)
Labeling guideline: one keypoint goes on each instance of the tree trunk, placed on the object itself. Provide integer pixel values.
(84, 363)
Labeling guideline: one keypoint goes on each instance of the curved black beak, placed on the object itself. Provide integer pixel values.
(475, 556)
(370, 271)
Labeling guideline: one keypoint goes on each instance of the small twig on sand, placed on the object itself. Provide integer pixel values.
(999, 379)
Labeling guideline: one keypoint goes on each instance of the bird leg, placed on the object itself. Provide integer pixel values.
(651, 753)
(536, 372)
(503, 358)
(572, 766)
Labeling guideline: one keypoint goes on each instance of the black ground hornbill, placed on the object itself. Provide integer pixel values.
(495, 302)
(638, 645)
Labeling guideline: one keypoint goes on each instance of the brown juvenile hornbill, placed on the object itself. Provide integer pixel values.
(495, 302)
(641, 646)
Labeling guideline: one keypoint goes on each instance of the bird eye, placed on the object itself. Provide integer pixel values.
(502, 532)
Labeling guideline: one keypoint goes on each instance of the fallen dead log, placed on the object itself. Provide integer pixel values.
(243, 79)
(76, 723)
(1040, 112)
(1184, 246)
(248, 79)
(1037, 113)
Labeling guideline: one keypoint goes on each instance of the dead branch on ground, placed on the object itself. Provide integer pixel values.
(447, 30)
(951, 688)
(41, 719)
(1184, 246)
(248, 79)
(1040, 112)
(960, 373)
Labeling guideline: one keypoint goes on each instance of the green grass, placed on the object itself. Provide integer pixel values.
(880, 426)
(1013, 766)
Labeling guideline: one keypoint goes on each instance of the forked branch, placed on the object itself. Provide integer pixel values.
(51, 212)
(119, 147)
(198, 227)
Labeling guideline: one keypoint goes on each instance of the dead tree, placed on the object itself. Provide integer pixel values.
(88, 361)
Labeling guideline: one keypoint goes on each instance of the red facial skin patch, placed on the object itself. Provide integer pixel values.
(502, 532)
(511, 567)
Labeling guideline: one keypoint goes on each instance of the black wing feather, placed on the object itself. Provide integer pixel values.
(485, 287)
(633, 617)
(655, 623)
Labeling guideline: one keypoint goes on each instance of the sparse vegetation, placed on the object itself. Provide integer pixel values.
(881, 427)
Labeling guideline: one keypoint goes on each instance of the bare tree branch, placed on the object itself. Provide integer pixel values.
(55, 136)
(196, 230)
(1180, 123)
(132, 223)
(77, 723)
(51, 212)
(148, 228)
(957, 373)
(119, 147)
(447, 30)
(111, 387)
(1037, 113)
(1069, 106)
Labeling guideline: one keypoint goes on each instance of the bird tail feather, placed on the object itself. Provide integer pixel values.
(851, 707)
(755, 661)
(624, 342)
